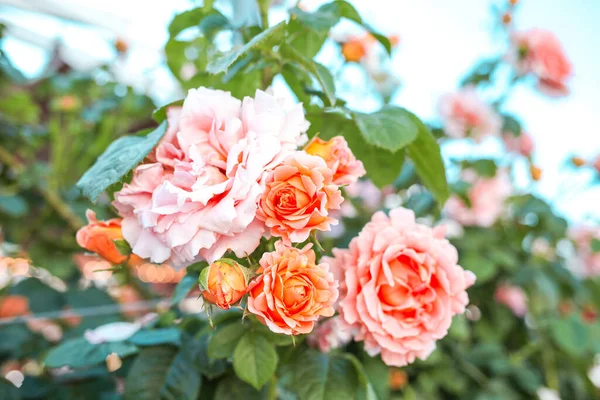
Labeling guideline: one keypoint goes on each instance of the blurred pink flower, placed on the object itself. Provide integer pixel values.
(403, 285)
(330, 334)
(584, 236)
(522, 144)
(513, 297)
(487, 197)
(465, 114)
(539, 52)
(199, 198)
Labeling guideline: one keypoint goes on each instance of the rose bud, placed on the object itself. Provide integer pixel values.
(101, 237)
(224, 282)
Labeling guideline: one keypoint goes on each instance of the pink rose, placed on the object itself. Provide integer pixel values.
(487, 197)
(539, 52)
(465, 114)
(513, 297)
(339, 158)
(298, 198)
(589, 260)
(330, 334)
(403, 287)
(522, 144)
(199, 199)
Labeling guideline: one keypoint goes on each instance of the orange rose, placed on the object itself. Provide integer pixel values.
(354, 50)
(339, 158)
(224, 283)
(14, 306)
(293, 291)
(99, 236)
(298, 197)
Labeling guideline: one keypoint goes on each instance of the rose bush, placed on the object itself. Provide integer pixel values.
(263, 237)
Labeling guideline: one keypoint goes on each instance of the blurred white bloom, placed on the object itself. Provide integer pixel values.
(113, 332)
(192, 305)
(15, 377)
(547, 394)
(594, 372)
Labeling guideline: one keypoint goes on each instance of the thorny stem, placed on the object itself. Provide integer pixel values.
(50, 195)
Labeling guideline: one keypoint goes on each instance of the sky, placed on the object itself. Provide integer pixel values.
(440, 41)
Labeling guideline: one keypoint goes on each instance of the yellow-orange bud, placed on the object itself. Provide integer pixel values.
(578, 161)
(506, 18)
(13, 306)
(536, 173)
(397, 378)
(224, 283)
(121, 46)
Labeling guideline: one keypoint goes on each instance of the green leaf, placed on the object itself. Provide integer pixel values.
(123, 247)
(119, 158)
(367, 391)
(267, 39)
(326, 81)
(79, 353)
(153, 337)
(184, 286)
(208, 366)
(224, 341)
(427, 158)
(595, 245)
(305, 40)
(254, 360)
(571, 335)
(377, 373)
(231, 388)
(183, 381)
(41, 298)
(319, 376)
(390, 128)
(13, 205)
(160, 114)
(8, 391)
(383, 167)
(148, 373)
(483, 268)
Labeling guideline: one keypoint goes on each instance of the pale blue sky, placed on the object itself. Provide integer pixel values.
(440, 41)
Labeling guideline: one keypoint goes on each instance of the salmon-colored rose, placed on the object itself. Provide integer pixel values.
(522, 144)
(224, 283)
(339, 158)
(13, 306)
(298, 197)
(403, 286)
(539, 52)
(292, 291)
(99, 236)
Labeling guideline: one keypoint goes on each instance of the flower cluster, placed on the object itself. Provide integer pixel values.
(225, 173)
(228, 173)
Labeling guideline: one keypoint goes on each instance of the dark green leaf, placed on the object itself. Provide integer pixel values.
(267, 39)
(153, 337)
(390, 128)
(319, 376)
(183, 288)
(41, 298)
(160, 114)
(231, 388)
(118, 159)
(8, 391)
(79, 353)
(13, 205)
(225, 339)
(148, 373)
(595, 245)
(326, 81)
(254, 360)
(427, 158)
